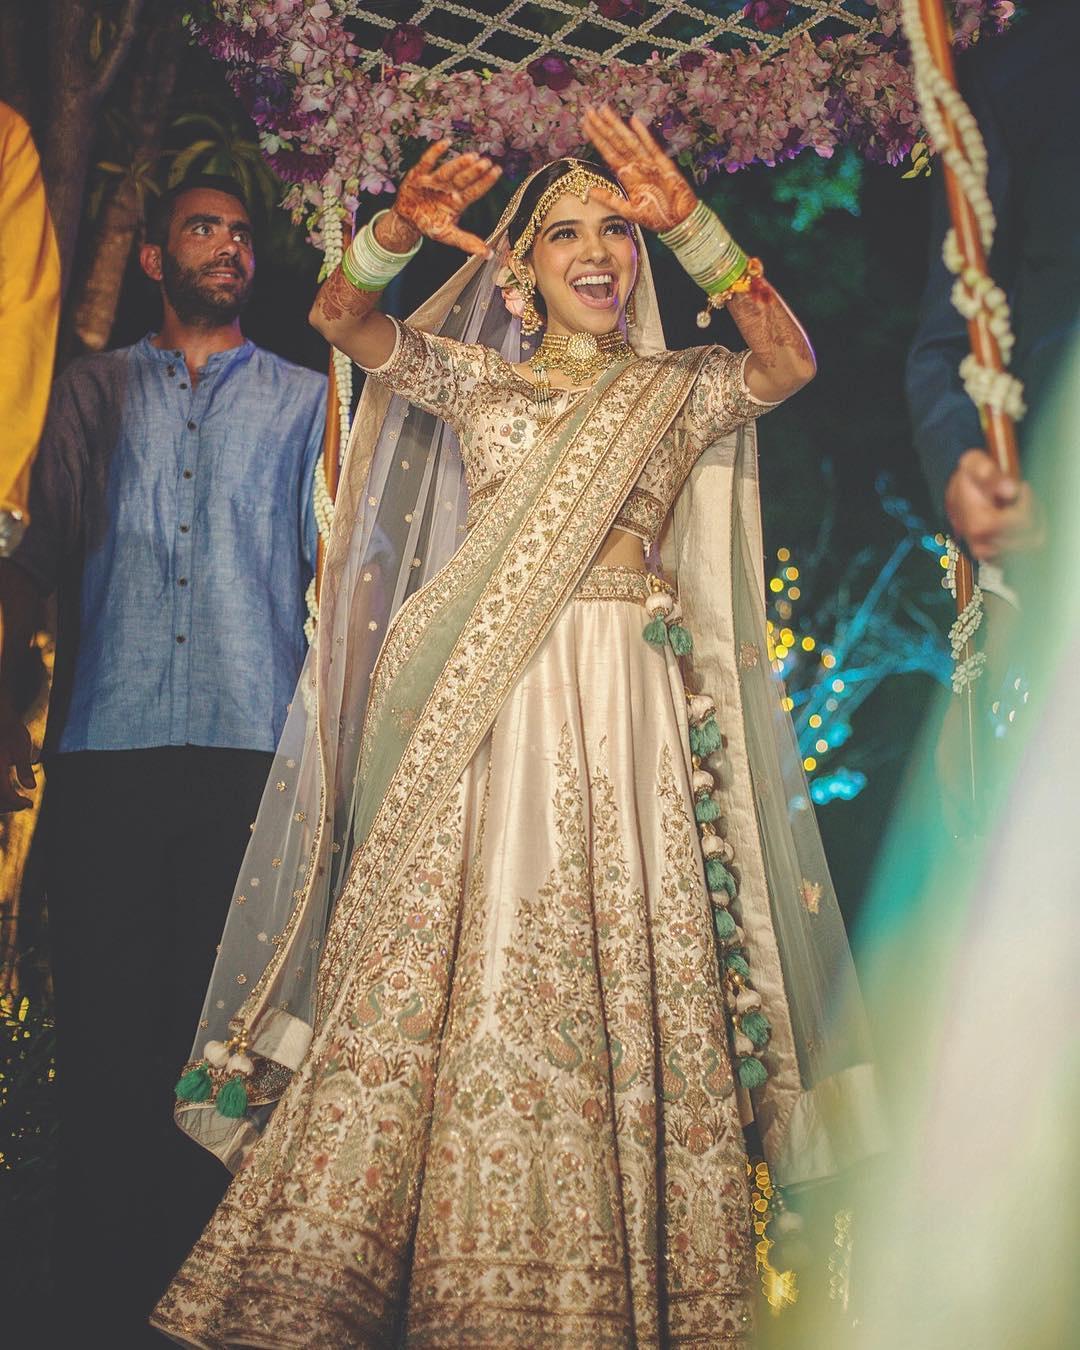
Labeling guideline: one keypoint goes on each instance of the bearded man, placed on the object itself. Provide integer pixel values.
(172, 510)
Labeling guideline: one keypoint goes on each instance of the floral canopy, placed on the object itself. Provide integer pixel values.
(338, 88)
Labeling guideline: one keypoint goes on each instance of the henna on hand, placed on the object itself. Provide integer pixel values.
(338, 299)
(782, 359)
(432, 196)
(659, 197)
(395, 233)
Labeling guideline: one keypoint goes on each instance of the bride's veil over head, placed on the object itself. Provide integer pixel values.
(399, 517)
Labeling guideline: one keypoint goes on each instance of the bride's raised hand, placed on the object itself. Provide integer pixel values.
(659, 196)
(433, 196)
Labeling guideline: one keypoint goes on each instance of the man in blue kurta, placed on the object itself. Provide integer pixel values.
(172, 512)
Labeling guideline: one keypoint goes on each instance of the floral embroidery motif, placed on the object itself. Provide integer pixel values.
(749, 656)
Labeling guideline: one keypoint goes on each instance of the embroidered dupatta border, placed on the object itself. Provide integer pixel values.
(541, 564)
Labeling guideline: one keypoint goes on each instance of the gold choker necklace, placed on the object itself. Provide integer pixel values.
(581, 357)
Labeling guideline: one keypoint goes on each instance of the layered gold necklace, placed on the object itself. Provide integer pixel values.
(581, 357)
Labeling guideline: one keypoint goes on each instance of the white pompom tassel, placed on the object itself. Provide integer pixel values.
(216, 1053)
(744, 1045)
(712, 844)
(700, 707)
(659, 604)
(240, 1064)
(747, 1000)
(702, 782)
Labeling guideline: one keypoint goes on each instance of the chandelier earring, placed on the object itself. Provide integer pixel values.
(530, 317)
(630, 312)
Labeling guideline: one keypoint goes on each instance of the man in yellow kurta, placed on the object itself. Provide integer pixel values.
(29, 314)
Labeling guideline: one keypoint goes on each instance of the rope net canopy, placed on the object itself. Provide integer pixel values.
(511, 35)
(344, 93)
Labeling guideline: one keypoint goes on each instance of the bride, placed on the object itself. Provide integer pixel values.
(534, 943)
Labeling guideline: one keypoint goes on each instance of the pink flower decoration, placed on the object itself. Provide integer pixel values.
(404, 44)
(334, 130)
(551, 72)
(512, 299)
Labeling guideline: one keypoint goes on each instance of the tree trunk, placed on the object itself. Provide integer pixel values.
(14, 67)
(77, 85)
(152, 85)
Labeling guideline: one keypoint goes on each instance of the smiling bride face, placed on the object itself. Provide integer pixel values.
(584, 261)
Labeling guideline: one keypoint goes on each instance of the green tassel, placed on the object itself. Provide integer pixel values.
(738, 964)
(725, 928)
(232, 1099)
(709, 737)
(717, 877)
(655, 632)
(695, 742)
(705, 809)
(752, 1073)
(755, 1026)
(195, 1085)
(682, 644)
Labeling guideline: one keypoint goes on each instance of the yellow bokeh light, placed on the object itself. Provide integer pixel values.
(828, 660)
(769, 625)
(788, 704)
(776, 585)
(794, 592)
(944, 560)
(783, 554)
(781, 651)
(821, 746)
(815, 721)
(787, 637)
(837, 686)
(808, 644)
(809, 763)
(792, 573)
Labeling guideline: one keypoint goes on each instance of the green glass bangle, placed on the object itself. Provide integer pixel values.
(733, 273)
(354, 279)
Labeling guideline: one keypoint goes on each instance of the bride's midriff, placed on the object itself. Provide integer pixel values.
(621, 549)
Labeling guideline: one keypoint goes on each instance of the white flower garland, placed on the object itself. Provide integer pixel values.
(973, 291)
(333, 248)
(966, 670)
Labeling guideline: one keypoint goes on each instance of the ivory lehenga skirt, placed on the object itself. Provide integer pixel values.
(521, 1130)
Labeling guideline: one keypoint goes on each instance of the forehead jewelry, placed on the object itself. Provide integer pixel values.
(578, 182)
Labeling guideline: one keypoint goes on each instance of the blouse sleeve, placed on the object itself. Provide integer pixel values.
(435, 373)
(720, 400)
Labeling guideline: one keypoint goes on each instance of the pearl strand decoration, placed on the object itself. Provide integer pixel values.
(973, 292)
(333, 251)
(966, 671)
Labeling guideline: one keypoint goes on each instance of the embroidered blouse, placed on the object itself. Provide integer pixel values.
(493, 410)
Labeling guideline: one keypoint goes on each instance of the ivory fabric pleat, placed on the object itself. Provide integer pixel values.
(518, 1125)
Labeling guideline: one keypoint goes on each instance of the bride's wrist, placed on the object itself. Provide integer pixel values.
(706, 249)
(395, 232)
(370, 262)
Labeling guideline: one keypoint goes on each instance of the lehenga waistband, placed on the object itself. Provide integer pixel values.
(615, 582)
